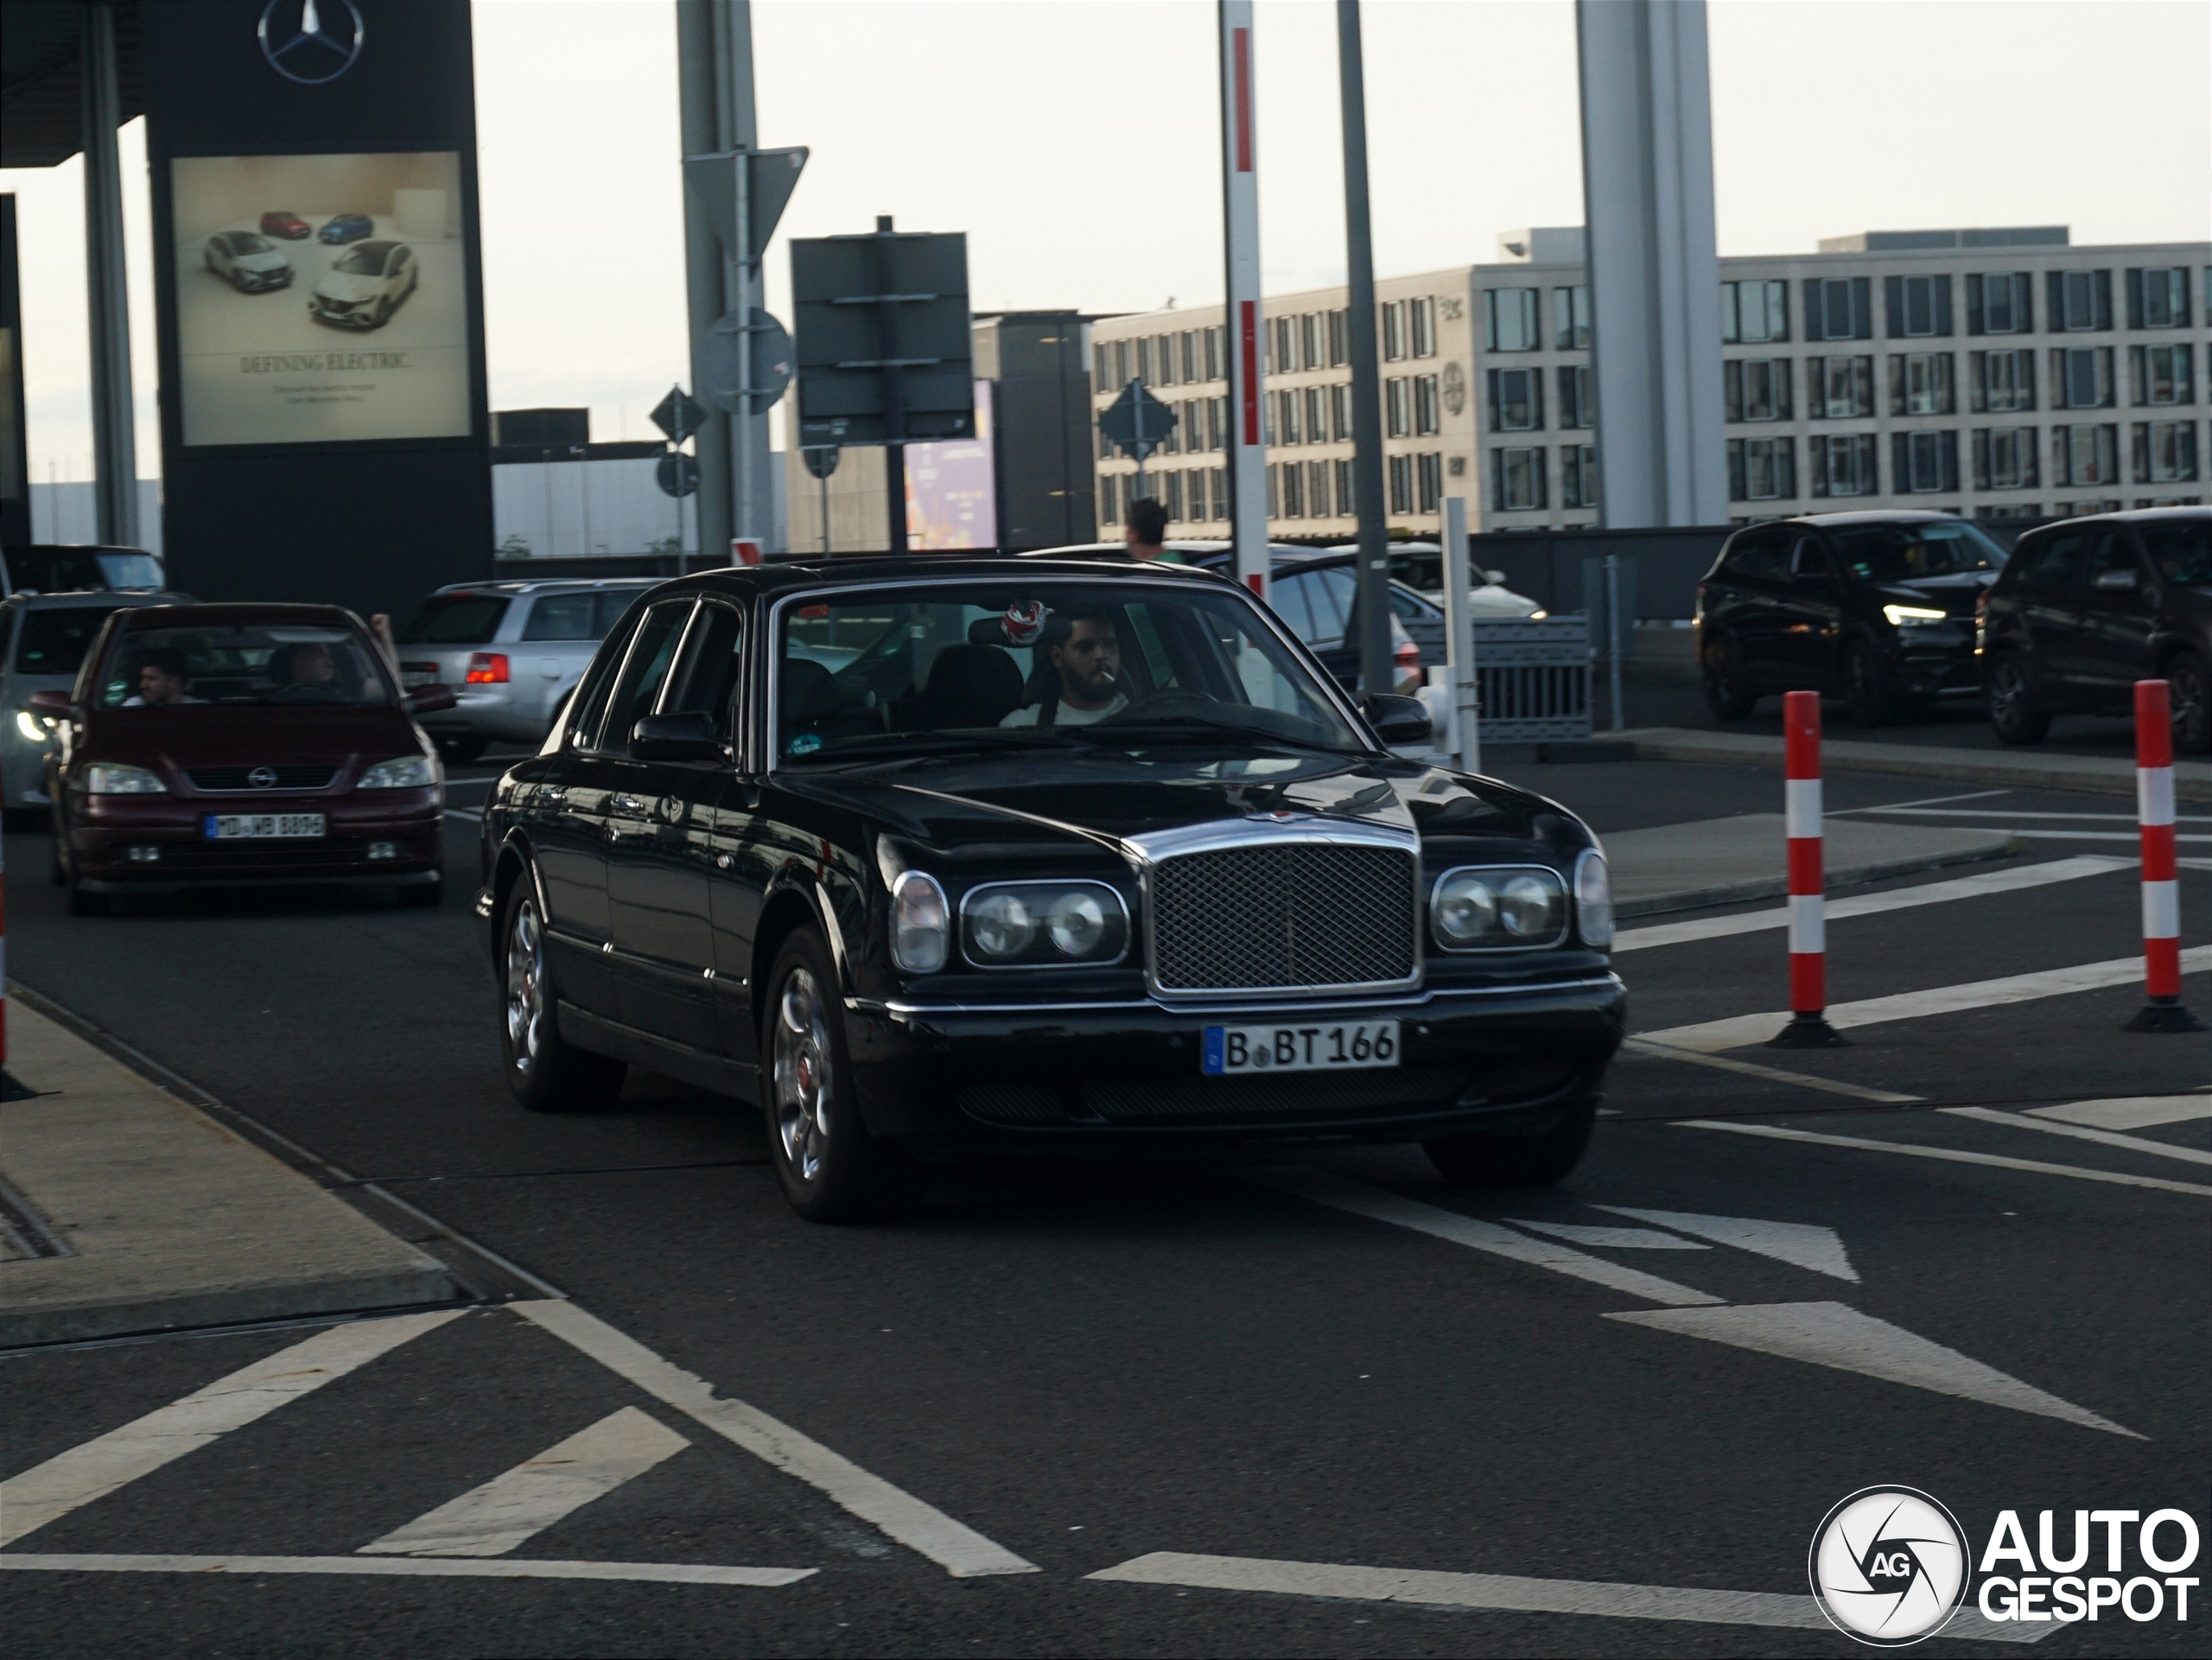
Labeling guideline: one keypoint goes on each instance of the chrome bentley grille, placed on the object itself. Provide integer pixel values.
(1283, 916)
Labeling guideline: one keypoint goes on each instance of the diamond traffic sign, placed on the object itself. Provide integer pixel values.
(678, 414)
(1136, 421)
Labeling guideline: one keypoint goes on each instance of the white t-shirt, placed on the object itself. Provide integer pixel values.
(1067, 715)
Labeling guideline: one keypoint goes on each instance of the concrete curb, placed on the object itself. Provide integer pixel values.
(1776, 886)
(2092, 774)
(1686, 866)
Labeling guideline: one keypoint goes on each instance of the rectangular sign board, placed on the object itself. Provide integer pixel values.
(882, 345)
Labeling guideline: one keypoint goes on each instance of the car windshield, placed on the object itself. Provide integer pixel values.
(984, 664)
(455, 620)
(2182, 552)
(219, 663)
(364, 261)
(1898, 553)
(130, 570)
(54, 640)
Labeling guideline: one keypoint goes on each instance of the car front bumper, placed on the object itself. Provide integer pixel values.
(1928, 661)
(104, 831)
(1101, 1078)
(357, 316)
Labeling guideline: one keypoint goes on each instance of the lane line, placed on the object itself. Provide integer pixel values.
(1916, 811)
(956, 1547)
(1904, 898)
(1921, 801)
(413, 1567)
(2084, 1133)
(2130, 1111)
(1951, 1155)
(1611, 1238)
(1380, 1204)
(1771, 1074)
(1507, 1594)
(1740, 1031)
(496, 1517)
(2077, 836)
(95, 1468)
(1802, 1245)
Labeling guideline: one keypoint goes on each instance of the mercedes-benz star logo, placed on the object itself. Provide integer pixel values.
(1889, 1566)
(263, 778)
(311, 41)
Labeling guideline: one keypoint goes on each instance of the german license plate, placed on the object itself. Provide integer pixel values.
(263, 826)
(1322, 1046)
(412, 675)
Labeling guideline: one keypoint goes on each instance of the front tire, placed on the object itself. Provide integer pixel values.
(2190, 687)
(459, 751)
(1517, 1160)
(546, 1073)
(832, 1170)
(1722, 672)
(2010, 697)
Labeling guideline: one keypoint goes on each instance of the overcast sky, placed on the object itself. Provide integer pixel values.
(1076, 142)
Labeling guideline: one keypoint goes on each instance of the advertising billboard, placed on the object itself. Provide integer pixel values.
(321, 299)
(951, 489)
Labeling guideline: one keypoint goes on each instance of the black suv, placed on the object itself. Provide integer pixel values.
(1877, 608)
(2087, 606)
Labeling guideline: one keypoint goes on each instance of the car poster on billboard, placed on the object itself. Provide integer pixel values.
(951, 489)
(321, 298)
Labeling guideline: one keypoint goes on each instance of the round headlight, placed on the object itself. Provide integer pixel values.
(920, 933)
(1594, 900)
(1525, 908)
(1464, 910)
(1077, 923)
(1001, 925)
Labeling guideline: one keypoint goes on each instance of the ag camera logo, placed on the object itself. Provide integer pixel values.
(1889, 1566)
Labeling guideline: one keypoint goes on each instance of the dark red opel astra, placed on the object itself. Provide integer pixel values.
(214, 744)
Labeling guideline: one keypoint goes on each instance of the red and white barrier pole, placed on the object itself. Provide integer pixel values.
(2154, 811)
(1808, 948)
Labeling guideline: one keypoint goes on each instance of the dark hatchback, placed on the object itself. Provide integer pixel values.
(2087, 606)
(205, 745)
(803, 838)
(1876, 609)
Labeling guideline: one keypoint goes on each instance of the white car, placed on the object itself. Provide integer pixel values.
(1419, 566)
(367, 285)
(251, 263)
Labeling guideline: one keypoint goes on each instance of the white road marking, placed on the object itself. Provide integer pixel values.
(1922, 801)
(2083, 1132)
(1951, 1155)
(417, 1566)
(2130, 1111)
(2129, 836)
(1834, 1335)
(1992, 813)
(1802, 1245)
(1771, 1074)
(494, 1518)
(1509, 1592)
(1380, 1204)
(1739, 1031)
(958, 1548)
(95, 1468)
(1611, 1238)
(1904, 898)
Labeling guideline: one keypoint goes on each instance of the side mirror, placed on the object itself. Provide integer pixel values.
(1396, 720)
(2116, 581)
(675, 737)
(55, 704)
(428, 700)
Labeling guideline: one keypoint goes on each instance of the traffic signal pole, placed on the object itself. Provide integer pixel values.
(1374, 662)
(1240, 222)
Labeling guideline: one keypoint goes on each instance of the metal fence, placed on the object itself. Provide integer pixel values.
(1533, 679)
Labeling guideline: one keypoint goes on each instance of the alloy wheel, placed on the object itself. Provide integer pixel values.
(2007, 693)
(802, 1074)
(525, 986)
(2192, 705)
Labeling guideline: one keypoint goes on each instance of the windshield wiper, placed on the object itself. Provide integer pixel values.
(1197, 728)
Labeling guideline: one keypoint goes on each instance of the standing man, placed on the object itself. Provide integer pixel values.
(1147, 532)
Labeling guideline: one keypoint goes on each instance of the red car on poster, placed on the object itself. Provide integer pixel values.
(291, 226)
(205, 745)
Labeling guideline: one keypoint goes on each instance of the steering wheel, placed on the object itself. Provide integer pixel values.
(311, 691)
(1165, 702)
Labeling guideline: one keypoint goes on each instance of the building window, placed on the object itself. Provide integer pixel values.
(1844, 465)
(1314, 400)
(1578, 476)
(1317, 488)
(1923, 461)
(1220, 502)
(2004, 381)
(1918, 306)
(1574, 407)
(1751, 314)
(2004, 458)
(1110, 512)
(1516, 400)
(1426, 416)
(1571, 318)
(1838, 309)
(1509, 320)
(1339, 339)
(2158, 297)
(1516, 480)
(1402, 483)
(2081, 377)
(1163, 358)
(1215, 340)
(1120, 363)
(1420, 314)
(1920, 383)
(1340, 413)
(2165, 451)
(2085, 455)
(2000, 302)
(1101, 364)
(1287, 425)
(2162, 374)
(1762, 470)
(1397, 408)
(1143, 344)
(1309, 340)
(1394, 330)
(2079, 300)
(1294, 490)
(1428, 481)
(1839, 389)
(1189, 342)
(1275, 494)
(1343, 471)
(1755, 389)
(1171, 494)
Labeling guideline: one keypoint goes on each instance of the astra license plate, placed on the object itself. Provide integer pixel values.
(1323, 1047)
(238, 826)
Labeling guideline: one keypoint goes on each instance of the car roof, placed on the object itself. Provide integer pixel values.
(243, 615)
(510, 586)
(863, 569)
(107, 596)
(2182, 515)
(1865, 516)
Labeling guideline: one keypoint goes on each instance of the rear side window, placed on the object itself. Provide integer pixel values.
(565, 616)
(2182, 553)
(55, 641)
(613, 603)
(456, 619)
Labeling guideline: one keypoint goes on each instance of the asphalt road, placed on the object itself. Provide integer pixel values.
(1318, 1362)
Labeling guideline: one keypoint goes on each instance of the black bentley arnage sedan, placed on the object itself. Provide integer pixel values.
(935, 858)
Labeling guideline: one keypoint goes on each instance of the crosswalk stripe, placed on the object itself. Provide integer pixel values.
(1949, 1155)
(2084, 1132)
(1771, 1074)
(494, 1518)
(95, 1468)
(513, 1567)
(2130, 1111)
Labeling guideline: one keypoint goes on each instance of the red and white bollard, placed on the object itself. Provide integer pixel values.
(1808, 947)
(2162, 1008)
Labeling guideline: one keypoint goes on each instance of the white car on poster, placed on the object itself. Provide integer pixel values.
(367, 285)
(251, 263)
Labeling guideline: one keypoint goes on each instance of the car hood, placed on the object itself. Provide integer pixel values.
(220, 735)
(349, 287)
(261, 262)
(1956, 593)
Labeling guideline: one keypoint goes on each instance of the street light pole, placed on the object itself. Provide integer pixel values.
(1374, 565)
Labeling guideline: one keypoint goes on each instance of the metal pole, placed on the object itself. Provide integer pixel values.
(1613, 634)
(115, 449)
(1375, 665)
(1245, 455)
(825, 515)
(1459, 638)
(706, 271)
(888, 349)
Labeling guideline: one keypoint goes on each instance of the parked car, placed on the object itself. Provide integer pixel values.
(1419, 566)
(364, 288)
(2087, 606)
(1876, 609)
(512, 652)
(43, 639)
(67, 567)
(346, 227)
(909, 923)
(291, 226)
(250, 264)
(207, 745)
